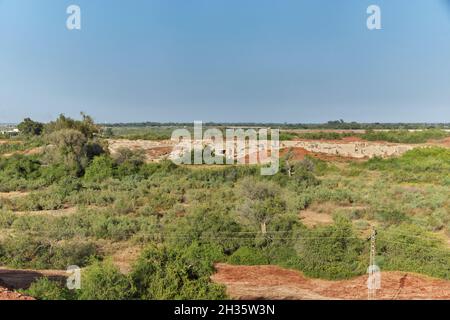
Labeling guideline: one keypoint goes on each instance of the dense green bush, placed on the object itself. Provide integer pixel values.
(35, 253)
(248, 256)
(103, 281)
(101, 168)
(430, 164)
(331, 252)
(409, 248)
(45, 289)
(165, 273)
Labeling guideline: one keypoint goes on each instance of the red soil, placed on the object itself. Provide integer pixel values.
(272, 282)
(157, 152)
(5, 294)
(300, 153)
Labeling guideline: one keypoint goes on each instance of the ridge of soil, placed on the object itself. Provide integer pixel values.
(273, 282)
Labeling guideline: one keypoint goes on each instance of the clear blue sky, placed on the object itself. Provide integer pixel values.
(226, 60)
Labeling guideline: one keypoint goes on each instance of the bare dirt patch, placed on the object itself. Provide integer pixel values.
(56, 213)
(13, 194)
(29, 152)
(441, 143)
(154, 150)
(312, 218)
(158, 153)
(297, 153)
(125, 258)
(272, 282)
(22, 279)
(350, 149)
(6, 294)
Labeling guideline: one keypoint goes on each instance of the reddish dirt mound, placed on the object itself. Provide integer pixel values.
(297, 153)
(158, 153)
(272, 282)
(352, 139)
(442, 143)
(300, 153)
(5, 294)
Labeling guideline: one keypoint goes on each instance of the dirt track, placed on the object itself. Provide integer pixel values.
(21, 279)
(272, 282)
(11, 279)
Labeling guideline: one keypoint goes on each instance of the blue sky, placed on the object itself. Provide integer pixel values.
(226, 60)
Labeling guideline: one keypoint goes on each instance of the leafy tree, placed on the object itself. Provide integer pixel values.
(262, 202)
(86, 126)
(29, 127)
(68, 148)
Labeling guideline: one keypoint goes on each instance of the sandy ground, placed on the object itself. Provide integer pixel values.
(347, 148)
(272, 282)
(28, 152)
(154, 150)
(13, 194)
(56, 213)
(312, 218)
(6, 294)
(126, 257)
(351, 149)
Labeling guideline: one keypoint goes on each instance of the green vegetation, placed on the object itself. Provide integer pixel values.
(397, 136)
(185, 219)
(405, 136)
(17, 146)
(29, 127)
(418, 165)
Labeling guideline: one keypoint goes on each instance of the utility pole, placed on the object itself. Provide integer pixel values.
(371, 283)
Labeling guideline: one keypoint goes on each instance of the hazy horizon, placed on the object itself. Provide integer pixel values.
(226, 61)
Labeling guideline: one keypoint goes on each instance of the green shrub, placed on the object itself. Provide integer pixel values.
(409, 248)
(331, 252)
(99, 169)
(248, 256)
(36, 253)
(429, 164)
(103, 281)
(164, 273)
(45, 289)
(114, 228)
(405, 136)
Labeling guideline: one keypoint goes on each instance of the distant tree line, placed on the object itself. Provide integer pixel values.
(336, 124)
